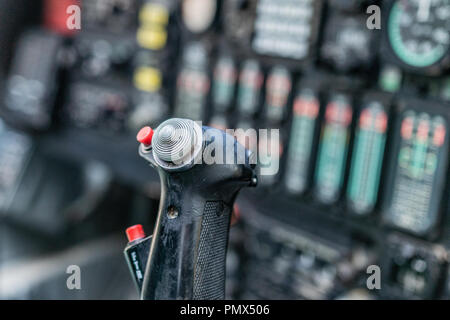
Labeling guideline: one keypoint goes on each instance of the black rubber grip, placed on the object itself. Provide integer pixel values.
(188, 254)
(209, 274)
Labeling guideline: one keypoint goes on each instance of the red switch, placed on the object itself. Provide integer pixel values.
(135, 232)
(145, 136)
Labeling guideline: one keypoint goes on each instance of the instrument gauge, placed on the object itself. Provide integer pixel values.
(419, 33)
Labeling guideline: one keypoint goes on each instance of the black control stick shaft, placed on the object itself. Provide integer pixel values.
(201, 171)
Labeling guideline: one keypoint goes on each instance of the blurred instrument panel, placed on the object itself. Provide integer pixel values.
(363, 113)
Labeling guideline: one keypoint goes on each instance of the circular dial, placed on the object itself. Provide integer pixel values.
(419, 31)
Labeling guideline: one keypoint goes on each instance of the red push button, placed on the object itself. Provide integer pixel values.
(135, 232)
(145, 136)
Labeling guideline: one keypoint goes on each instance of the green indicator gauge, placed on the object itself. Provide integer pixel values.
(333, 149)
(417, 179)
(367, 158)
(419, 32)
(304, 121)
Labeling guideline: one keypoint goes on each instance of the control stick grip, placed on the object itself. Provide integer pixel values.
(189, 243)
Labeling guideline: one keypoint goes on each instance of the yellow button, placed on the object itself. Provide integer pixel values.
(147, 79)
(152, 37)
(154, 13)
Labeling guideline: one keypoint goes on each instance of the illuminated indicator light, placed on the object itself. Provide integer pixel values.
(407, 128)
(365, 119)
(381, 122)
(152, 13)
(333, 149)
(306, 107)
(331, 113)
(198, 16)
(252, 78)
(278, 87)
(390, 79)
(153, 37)
(201, 85)
(312, 109)
(338, 112)
(147, 79)
(225, 72)
(251, 75)
(194, 81)
(348, 113)
(422, 131)
(277, 92)
(439, 135)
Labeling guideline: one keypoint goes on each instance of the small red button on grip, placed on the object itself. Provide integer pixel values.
(145, 136)
(135, 232)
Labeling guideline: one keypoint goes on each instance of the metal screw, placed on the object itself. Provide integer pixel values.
(172, 212)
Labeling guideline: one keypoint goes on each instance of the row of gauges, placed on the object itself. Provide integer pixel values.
(416, 36)
(288, 32)
(415, 182)
(414, 179)
(416, 33)
(233, 87)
